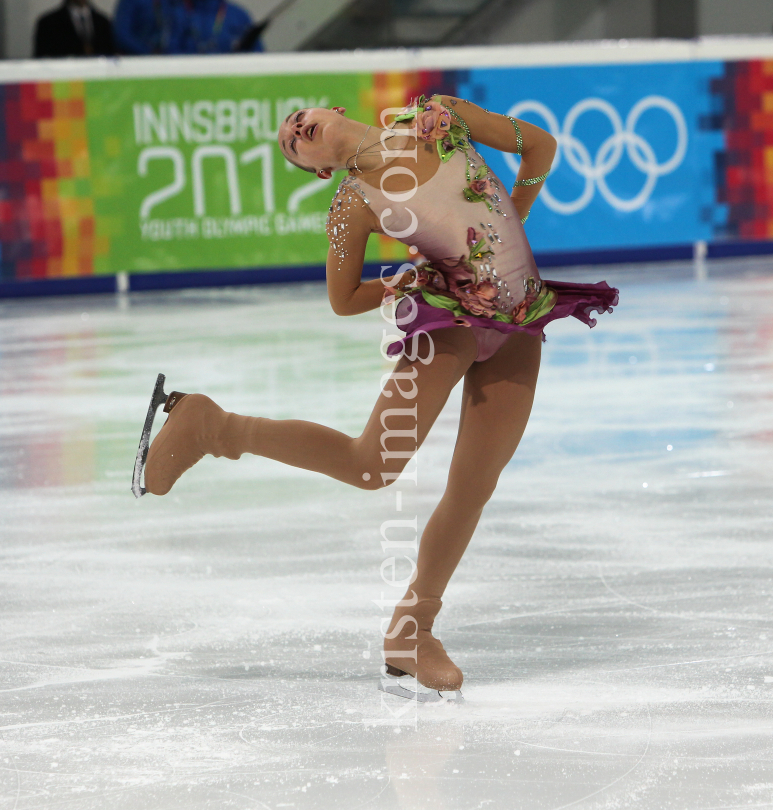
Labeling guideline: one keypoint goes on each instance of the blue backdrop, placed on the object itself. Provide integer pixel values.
(635, 164)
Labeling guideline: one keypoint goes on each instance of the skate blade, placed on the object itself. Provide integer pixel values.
(158, 398)
(412, 690)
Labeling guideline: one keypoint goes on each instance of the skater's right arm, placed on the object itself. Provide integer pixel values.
(348, 228)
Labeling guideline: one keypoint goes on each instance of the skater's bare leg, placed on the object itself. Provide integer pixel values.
(403, 415)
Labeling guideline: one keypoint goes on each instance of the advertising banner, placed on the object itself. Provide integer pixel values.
(188, 174)
(137, 175)
(161, 175)
(636, 151)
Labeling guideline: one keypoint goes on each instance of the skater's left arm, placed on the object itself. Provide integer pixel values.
(536, 146)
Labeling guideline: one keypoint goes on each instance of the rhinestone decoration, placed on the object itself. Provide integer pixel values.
(532, 181)
(532, 285)
(462, 123)
(518, 136)
(487, 271)
(338, 214)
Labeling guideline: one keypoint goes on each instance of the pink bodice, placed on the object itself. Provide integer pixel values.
(444, 226)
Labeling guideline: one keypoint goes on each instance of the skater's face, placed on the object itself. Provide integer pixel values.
(314, 138)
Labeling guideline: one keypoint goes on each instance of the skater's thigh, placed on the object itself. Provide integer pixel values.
(496, 403)
(417, 389)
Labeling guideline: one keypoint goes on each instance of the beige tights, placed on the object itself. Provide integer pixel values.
(496, 403)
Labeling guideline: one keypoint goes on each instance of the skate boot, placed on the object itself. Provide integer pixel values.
(196, 427)
(411, 649)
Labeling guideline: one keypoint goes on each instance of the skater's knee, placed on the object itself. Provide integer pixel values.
(377, 476)
(376, 469)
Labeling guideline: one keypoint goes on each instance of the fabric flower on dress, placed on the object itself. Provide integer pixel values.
(519, 313)
(427, 276)
(479, 249)
(482, 187)
(479, 188)
(433, 121)
(391, 294)
(473, 236)
(478, 298)
(457, 272)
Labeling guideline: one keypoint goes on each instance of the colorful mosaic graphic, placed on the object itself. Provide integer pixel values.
(744, 170)
(397, 89)
(46, 207)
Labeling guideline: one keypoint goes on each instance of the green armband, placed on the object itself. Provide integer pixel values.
(518, 136)
(532, 181)
(462, 123)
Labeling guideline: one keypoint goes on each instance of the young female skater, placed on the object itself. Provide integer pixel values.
(475, 310)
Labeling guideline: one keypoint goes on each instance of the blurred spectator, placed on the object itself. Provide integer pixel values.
(182, 27)
(76, 28)
(251, 39)
(140, 26)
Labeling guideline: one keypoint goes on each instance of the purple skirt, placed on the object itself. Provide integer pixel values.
(575, 300)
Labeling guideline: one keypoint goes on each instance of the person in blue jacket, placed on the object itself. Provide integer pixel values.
(143, 27)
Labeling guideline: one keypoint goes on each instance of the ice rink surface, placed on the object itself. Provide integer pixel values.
(220, 647)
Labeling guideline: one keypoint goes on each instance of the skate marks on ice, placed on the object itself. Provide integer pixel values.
(269, 749)
(206, 650)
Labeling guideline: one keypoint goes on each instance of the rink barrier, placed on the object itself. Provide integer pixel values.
(150, 172)
(58, 286)
(155, 282)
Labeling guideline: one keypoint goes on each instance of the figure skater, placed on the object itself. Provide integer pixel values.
(474, 307)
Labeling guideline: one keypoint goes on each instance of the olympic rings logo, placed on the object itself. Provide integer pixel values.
(608, 156)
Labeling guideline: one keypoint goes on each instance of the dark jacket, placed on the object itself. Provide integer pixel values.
(55, 35)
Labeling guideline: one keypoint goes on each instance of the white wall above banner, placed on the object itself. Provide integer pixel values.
(602, 52)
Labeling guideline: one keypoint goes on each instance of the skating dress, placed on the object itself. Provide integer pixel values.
(481, 272)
